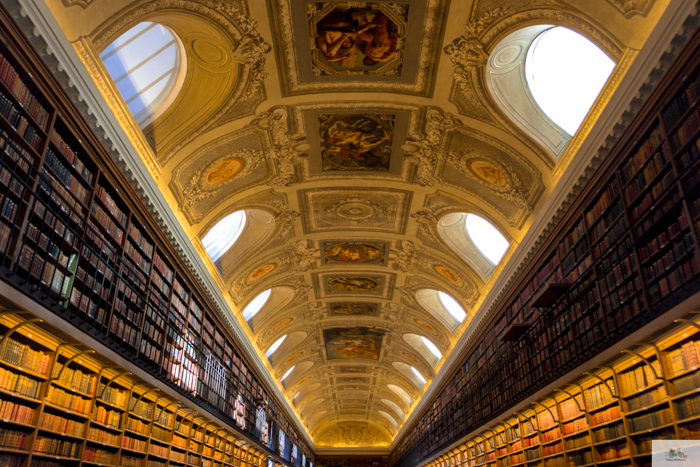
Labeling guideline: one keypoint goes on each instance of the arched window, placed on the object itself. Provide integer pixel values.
(411, 374)
(443, 307)
(223, 235)
(145, 64)
(403, 395)
(287, 373)
(257, 303)
(418, 374)
(275, 346)
(486, 237)
(394, 406)
(389, 417)
(565, 72)
(546, 78)
(425, 347)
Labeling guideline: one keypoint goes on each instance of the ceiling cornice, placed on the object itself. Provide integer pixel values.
(37, 22)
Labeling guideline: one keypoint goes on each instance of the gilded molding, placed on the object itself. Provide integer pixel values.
(88, 55)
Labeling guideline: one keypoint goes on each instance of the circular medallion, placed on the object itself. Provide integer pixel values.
(261, 272)
(425, 326)
(488, 172)
(293, 357)
(447, 273)
(282, 324)
(223, 171)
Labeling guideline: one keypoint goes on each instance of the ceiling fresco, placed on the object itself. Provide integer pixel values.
(350, 133)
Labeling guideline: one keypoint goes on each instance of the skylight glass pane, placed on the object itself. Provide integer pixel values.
(223, 235)
(274, 346)
(433, 349)
(287, 373)
(418, 375)
(255, 306)
(565, 73)
(138, 60)
(453, 308)
(486, 238)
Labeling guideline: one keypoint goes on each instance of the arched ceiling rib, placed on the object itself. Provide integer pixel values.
(348, 174)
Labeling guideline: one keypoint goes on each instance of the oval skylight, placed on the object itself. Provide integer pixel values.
(274, 346)
(486, 238)
(144, 63)
(255, 306)
(223, 235)
(418, 375)
(433, 349)
(287, 373)
(453, 308)
(565, 73)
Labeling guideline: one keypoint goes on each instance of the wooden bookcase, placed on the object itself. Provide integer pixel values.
(61, 405)
(74, 237)
(626, 252)
(608, 416)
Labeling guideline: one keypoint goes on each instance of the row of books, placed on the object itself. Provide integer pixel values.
(685, 357)
(612, 431)
(688, 407)
(111, 205)
(607, 220)
(74, 402)
(16, 412)
(690, 157)
(136, 257)
(11, 79)
(577, 441)
(58, 424)
(180, 290)
(159, 284)
(613, 451)
(75, 379)
(98, 456)
(646, 150)
(645, 399)
(102, 436)
(656, 164)
(163, 268)
(13, 439)
(649, 420)
(686, 131)
(20, 384)
(134, 444)
(65, 150)
(10, 460)
(19, 122)
(681, 104)
(552, 449)
(687, 383)
(16, 153)
(580, 458)
(575, 426)
(56, 447)
(23, 356)
(604, 201)
(59, 195)
(606, 415)
(107, 417)
(137, 236)
(641, 377)
(107, 223)
(71, 182)
(113, 395)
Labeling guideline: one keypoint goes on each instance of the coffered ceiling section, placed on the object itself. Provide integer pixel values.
(355, 139)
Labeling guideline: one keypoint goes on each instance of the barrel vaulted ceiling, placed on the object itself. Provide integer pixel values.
(346, 246)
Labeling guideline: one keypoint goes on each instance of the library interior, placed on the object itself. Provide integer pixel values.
(489, 210)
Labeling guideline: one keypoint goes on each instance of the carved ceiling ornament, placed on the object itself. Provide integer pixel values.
(500, 179)
(81, 3)
(426, 150)
(352, 434)
(305, 255)
(200, 187)
(630, 8)
(403, 255)
(285, 152)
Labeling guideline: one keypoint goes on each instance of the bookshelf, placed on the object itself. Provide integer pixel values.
(626, 252)
(608, 416)
(102, 415)
(74, 238)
